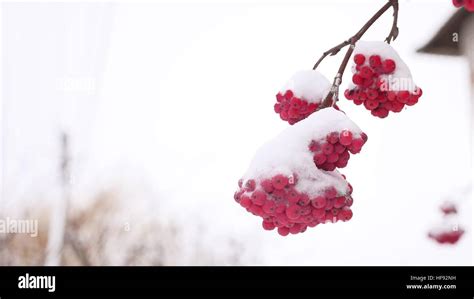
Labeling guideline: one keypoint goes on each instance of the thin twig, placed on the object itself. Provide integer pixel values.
(78, 248)
(332, 96)
(394, 31)
(333, 51)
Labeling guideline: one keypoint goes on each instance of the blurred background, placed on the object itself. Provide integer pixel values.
(125, 127)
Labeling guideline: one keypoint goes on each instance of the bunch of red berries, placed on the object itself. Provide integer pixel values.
(468, 4)
(289, 186)
(448, 208)
(301, 96)
(333, 151)
(293, 109)
(448, 236)
(292, 182)
(278, 202)
(449, 231)
(377, 86)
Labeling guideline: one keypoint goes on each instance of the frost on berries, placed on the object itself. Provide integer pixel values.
(381, 81)
(301, 95)
(467, 4)
(448, 231)
(288, 189)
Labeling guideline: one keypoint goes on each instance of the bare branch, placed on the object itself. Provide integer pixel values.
(333, 51)
(332, 96)
(394, 31)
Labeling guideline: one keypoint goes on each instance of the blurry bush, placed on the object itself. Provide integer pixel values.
(106, 231)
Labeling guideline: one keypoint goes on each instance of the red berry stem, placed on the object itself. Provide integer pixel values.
(332, 96)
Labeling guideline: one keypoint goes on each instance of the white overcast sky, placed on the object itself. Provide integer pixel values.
(182, 96)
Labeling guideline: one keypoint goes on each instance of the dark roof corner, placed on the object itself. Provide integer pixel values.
(442, 43)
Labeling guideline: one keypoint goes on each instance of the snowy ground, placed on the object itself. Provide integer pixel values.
(185, 95)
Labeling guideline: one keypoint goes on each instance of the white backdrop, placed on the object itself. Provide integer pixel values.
(187, 97)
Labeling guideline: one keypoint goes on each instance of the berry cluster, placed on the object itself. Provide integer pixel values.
(279, 203)
(448, 208)
(333, 151)
(292, 183)
(468, 4)
(449, 232)
(293, 109)
(301, 96)
(372, 86)
(447, 237)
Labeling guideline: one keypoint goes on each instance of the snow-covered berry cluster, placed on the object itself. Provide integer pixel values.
(292, 182)
(467, 4)
(382, 82)
(284, 187)
(446, 235)
(334, 150)
(448, 231)
(301, 96)
(278, 202)
(448, 208)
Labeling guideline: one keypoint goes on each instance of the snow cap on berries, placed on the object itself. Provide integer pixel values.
(288, 153)
(382, 82)
(283, 184)
(400, 78)
(448, 231)
(309, 85)
(301, 95)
